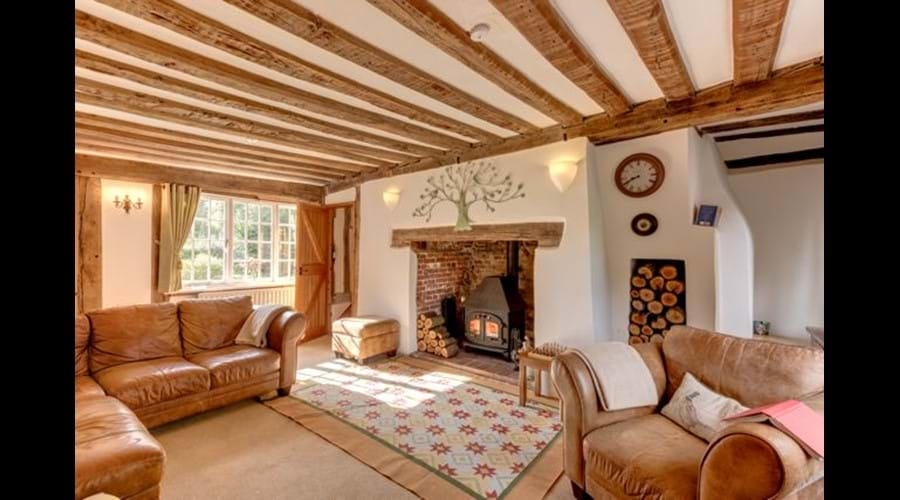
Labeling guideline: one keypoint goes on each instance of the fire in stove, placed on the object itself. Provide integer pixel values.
(495, 311)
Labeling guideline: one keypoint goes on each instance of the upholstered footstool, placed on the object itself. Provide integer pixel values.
(363, 337)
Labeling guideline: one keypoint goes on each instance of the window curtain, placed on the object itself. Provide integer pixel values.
(177, 209)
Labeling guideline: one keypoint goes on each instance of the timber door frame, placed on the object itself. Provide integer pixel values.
(352, 252)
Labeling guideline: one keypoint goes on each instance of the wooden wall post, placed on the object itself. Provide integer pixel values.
(89, 257)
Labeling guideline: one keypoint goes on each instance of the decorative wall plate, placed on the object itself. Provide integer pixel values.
(644, 224)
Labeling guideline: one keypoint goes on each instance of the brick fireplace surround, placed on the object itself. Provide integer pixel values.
(457, 267)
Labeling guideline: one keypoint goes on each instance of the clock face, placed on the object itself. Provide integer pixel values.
(640, 175)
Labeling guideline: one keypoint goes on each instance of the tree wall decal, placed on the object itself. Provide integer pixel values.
(465, 185)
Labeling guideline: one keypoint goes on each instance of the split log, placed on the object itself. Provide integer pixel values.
(669, 299)
(655, 307)
(637, 305)
(646, 270)
(647, 294)
(634, 339)
(420, 334)
(668, 272)
(675, 286)
(446, 342)
(657, 283)
(638, 282)
(646, 330)
(440, 331)
(634, 329)
(675, 315)
(449, 351)
(422, 345)
(639, 318)
(433, 322)
(635, 294)
(659, 323)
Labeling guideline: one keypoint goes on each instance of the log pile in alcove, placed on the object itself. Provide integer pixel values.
(657, 300)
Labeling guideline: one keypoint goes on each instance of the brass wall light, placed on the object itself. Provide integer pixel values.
(126, 203)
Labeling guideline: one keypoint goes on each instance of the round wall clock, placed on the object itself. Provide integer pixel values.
(644, 224)
(640, 175)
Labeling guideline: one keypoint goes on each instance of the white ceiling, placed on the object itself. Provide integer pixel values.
(702, 29)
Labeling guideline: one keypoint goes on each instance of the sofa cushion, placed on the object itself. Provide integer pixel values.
(82, 340)
(208, 324)
(86, 386)
(133, 333)
(754, 372)
(146, 383)
(114, 453)
(699, 410)
(237, 363)
(644, 457)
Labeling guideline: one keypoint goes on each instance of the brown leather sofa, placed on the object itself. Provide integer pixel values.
(138, 367)
(639, 453)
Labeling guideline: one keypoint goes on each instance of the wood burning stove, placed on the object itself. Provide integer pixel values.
(495, 311)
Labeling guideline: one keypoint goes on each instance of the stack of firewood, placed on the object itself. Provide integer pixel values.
(657, 302)
(433, 337)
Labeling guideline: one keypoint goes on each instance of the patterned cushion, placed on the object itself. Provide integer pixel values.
(698, 409)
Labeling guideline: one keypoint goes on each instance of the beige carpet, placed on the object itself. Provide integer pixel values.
(247, 451)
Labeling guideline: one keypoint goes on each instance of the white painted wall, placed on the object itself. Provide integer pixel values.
(786, 212)
(564, 306)
(126, 244)
(733, 239)
(676, 238)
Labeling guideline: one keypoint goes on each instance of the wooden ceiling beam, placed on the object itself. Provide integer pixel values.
(305, 24)
(790, 87)
(543, 27)
(182, 20)
(431, 24)
(134, 44)
(312, 172)
(778, 132)
(647, 26)
(756, 31)
(101, 94)
(804, 155)
(162, 82)
(126, 128)
(805, 116)
(138, 171)
(88, 145)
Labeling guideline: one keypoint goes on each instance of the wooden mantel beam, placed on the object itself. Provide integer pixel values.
(647, 26)
(152, 173)
(434, 26)
(756, 31)
(789, 87)
(543, 27)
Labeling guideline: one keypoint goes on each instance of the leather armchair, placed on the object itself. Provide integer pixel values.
(638, 453)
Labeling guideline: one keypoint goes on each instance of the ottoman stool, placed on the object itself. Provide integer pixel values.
(363, 337)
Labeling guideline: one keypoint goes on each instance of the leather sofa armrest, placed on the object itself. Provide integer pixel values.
(581, 412)
(284, 333)
(756, 460)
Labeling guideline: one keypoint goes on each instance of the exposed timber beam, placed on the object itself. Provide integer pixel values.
(778, 132)
(431, 24)
(543, 27)
(124, 128)
(647, 26)
(776, 158)
(162, 82)
(789, 87)
(805, 116)
(755, 31)
(305, 24)
(100, 94)
(188, 154)
(182, 20)
(138, 171)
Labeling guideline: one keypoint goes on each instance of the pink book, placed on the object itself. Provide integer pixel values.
(794, 419)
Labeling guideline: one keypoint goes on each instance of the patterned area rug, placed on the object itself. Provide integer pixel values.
(439, 432)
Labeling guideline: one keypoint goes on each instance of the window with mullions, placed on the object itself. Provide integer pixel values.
(234, 240)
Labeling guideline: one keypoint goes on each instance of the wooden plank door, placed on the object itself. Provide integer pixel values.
(313, 290)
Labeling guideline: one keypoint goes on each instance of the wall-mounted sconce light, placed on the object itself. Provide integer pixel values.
(562, 173)
(391, 198)
(126, 203)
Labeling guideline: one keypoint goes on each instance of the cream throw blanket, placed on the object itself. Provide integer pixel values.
(255, 327)
(621, 378)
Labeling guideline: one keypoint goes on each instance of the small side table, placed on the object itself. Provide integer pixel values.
(539, 362)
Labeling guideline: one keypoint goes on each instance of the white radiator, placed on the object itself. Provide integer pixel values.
(283, 295)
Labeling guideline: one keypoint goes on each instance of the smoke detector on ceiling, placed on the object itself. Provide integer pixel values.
(479, 32)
